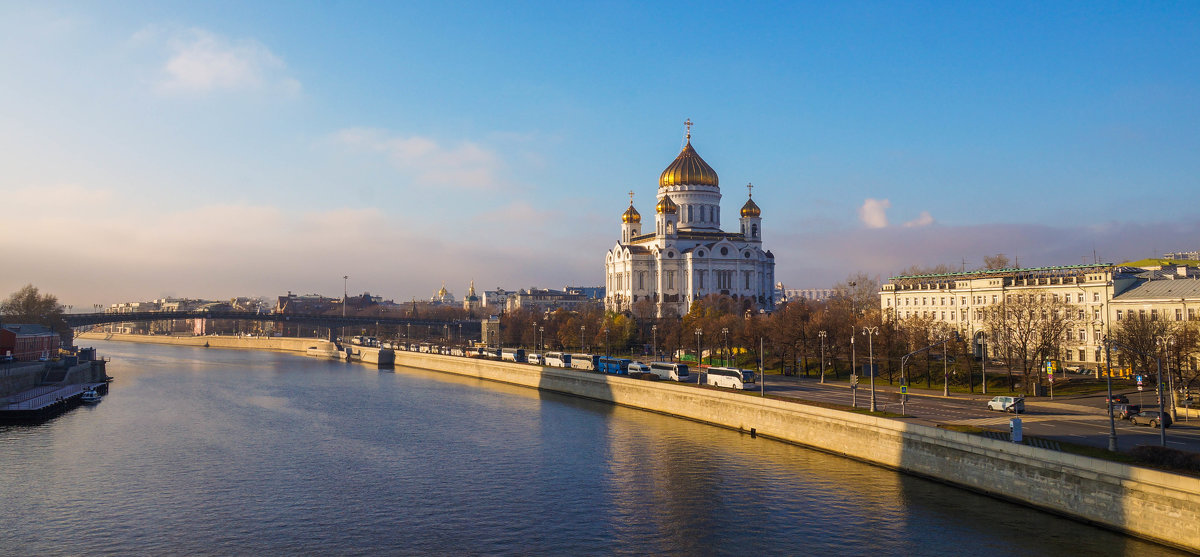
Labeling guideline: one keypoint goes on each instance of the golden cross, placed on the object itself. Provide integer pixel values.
(688, 123)
(749, 189)
(631, 198)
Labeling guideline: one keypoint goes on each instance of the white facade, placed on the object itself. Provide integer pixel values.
(688, 256)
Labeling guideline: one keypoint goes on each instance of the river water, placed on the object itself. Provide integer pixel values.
(206, 451)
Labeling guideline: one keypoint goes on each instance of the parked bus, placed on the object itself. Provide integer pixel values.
(730, 377)
(513, 354)
(670, 371)
(584, 361)
(615, 366)
(558, 359)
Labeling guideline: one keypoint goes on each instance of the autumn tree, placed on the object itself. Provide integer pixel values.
(27, 305)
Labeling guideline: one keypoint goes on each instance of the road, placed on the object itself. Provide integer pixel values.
(1079, 420)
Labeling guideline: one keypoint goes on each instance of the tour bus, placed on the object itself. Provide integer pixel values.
(513, 354)
(615, 366)
(584, 361)
(558, 359)
(730, 377)
(668, 370)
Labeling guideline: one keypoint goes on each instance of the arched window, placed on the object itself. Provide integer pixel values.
(754, 231)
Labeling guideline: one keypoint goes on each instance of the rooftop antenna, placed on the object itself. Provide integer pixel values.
(964, 264)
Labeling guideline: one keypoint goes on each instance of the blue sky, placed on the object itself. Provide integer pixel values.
(220, 149)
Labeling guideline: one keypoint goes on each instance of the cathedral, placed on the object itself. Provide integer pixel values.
(687, 256)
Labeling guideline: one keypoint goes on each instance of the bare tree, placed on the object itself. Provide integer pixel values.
(995, 262)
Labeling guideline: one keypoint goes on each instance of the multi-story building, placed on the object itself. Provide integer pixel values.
(545, 299)
(1096, 297)
(688, 256)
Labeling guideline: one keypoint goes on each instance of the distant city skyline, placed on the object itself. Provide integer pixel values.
(229, 148)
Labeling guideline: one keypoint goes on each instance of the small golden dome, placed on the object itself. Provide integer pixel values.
(688, 169)
(750, 209)
(631, 215)
(666, 206)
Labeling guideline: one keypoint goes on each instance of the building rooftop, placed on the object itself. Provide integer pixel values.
(1057, 270)
(1162, 289)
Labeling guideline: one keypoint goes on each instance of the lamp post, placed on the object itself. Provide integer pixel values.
(853, 371)
(1163, 342)
(345, 298)
(606, 354)
(945, 371)
(1112, 421)
(725, 334)
(699, 357)
(821, 334)
(654, 341)
(581, 328)
(870, 333)
(983, 364)
(541, 338)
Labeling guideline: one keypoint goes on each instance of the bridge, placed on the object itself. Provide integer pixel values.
(455, 326)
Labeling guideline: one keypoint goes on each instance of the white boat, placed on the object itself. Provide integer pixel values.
(90, 396)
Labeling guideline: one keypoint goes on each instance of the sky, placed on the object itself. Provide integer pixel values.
(220, 149)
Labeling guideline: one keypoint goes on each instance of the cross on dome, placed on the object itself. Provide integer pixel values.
(749, 189)
(688, 123)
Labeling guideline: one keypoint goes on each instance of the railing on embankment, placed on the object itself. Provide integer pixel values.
(1146, 503)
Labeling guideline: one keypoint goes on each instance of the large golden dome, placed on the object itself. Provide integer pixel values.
(688, 169)
(631, 215)
(666, 206)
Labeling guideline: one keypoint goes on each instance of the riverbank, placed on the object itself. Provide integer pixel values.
(1141, 502)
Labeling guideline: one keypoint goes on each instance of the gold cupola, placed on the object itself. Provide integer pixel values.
(688, 169)
(666, 206)
(750, 209)
(631, 215)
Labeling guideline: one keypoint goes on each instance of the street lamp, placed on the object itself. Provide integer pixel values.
(725, 333)
(870, 333)
(541, 338)
(606, 354)
(821, 334)
(345, 297)
(853, 373)
(699, 356)
(654, 341)
(581, 328)
(945, 370)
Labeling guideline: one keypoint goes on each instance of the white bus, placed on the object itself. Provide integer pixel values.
(670, 371)
(513, 354)
(558, 359)
(584, 361)
(730, 377)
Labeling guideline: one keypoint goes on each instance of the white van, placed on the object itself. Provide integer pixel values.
(729, 377)
(639, 367)
(535, 359)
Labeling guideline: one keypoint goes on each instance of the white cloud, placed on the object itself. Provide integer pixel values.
(925, 219)
(202, 61)
(467, 165)
(873, 212)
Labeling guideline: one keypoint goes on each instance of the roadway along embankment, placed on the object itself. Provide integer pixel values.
(1146, 503)
(279, 344)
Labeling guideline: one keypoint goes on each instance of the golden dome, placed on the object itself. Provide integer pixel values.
(666, 206)
(688, 169)
(750, 209)
(631, 215)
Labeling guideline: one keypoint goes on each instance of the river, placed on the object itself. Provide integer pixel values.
(206, 451)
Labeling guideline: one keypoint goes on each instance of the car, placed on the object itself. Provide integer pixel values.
(1125, 411)
(1117, 399)
(1152, 418)
(1014, 404)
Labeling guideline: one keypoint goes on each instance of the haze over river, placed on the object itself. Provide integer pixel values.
(206, 451)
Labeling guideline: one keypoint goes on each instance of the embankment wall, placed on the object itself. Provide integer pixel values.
(281, 344)
(1147, 503)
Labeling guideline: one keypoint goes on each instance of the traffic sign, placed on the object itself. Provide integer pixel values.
(1139, 387)
(903, 389)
